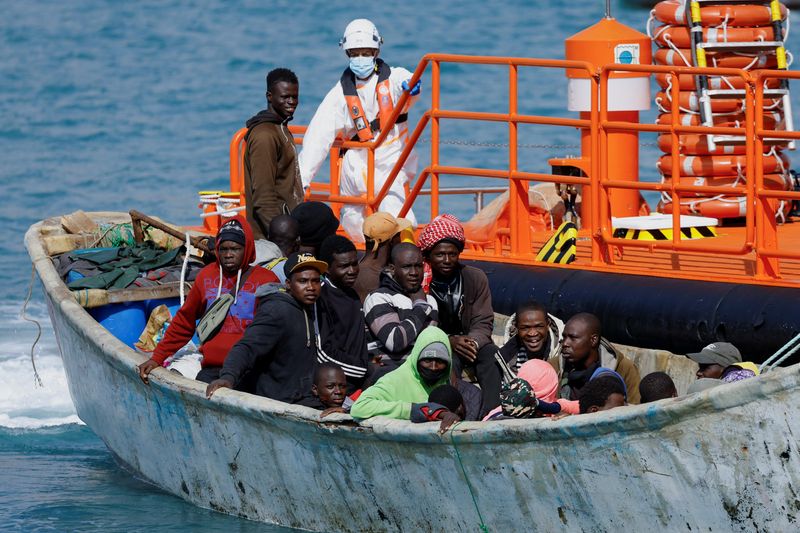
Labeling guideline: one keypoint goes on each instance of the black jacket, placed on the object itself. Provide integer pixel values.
(279, 346)
(343, 334)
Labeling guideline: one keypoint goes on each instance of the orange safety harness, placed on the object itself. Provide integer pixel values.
(364, 128)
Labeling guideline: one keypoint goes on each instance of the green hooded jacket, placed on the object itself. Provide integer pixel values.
(394, 393)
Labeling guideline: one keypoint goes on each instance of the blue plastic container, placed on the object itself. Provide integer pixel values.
(125, 321)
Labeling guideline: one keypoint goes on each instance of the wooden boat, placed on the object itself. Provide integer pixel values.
(720, 460)
(724, 459)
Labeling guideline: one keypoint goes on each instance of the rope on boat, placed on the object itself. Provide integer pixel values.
(460, 142)
(482, 525)
(779, 357)
(25, 317)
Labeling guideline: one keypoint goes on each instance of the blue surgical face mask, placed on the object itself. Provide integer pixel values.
(362, 66)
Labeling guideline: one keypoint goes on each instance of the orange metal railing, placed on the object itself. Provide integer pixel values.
(760, 232)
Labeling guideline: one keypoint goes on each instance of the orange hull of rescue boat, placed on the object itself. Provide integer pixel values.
(722, 207)
(774, 182)
(673, 12)
(720, 165)
(734, 120)
(667, 56)
(687, 82)
(689, 101)
(679, 36)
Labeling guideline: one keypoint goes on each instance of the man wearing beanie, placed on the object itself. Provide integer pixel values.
(464, 303)
(404, 392)
(316, 221)
(230, 273)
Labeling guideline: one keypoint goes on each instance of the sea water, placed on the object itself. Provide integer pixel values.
(108, 105)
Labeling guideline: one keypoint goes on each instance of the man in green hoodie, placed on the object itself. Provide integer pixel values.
(403, 393)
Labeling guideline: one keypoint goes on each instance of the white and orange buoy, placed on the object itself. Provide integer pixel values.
(609, 42)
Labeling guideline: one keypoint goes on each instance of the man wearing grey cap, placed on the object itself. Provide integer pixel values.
(403, 393)
(714, 358)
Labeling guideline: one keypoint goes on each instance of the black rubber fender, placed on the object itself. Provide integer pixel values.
(681, 316)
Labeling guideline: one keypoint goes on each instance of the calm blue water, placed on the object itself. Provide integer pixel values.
(111, 106)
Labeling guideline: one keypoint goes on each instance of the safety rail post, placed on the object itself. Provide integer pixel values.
(435, 103)
(600, 250)
(766, 222)
(598, 194)
(236, 162)
(518, 189)
(675, 153)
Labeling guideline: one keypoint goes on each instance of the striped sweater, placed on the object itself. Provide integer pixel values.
(394, 321)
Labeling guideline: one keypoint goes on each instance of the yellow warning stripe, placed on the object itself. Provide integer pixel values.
(560, 248)
(700, 232)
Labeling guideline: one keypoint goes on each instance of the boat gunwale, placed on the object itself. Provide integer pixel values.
(633, 419)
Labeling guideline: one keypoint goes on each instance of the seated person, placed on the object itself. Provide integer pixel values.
(279, 347)
(283, 232)
(330, 390)
(315, 221)
(229, 273)
(381, 232)
(399, 309)
(404, 392)
(602, 393)
(715, 360)
(470, 394)
(444, 403)
(338, 317)
(464, 303)
(583, 351)
(537, 335)
(542, 382)
(657, 386)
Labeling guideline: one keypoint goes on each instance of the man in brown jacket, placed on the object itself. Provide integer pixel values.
(583, 351)
(271, 178)
(465, 305)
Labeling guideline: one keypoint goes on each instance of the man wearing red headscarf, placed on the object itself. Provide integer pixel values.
(465, 304)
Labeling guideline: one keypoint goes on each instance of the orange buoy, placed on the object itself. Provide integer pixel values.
(693, 144)
(718, 206)
(687, 82)
(733, 120)
(673, 12)
(720, 165)
(679, 35)
(668, 56)
(689, 101)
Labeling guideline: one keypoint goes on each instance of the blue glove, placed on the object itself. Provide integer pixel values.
(414, 90)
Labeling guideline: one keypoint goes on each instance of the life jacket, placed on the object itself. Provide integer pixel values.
(364, 128)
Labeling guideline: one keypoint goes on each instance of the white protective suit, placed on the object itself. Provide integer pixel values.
(332, 119)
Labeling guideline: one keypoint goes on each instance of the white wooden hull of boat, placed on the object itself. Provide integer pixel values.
(723, 460)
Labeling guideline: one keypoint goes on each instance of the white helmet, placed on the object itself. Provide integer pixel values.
(361, 33)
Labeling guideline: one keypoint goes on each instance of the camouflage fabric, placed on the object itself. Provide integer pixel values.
(518, 400)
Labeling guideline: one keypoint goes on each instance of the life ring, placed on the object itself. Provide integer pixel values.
(773, 182)
(679, 35)
(721, 165)
(733, 120)
(717, 207)
(696, 144)
(668, 56)
(673, 12)
(688, 100)
(687, 82)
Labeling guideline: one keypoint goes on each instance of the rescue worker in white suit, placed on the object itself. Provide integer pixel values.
(357, 107)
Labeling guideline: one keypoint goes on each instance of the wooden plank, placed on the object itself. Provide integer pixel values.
(97, 297)
(79, 222)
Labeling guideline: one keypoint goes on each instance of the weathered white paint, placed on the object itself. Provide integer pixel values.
(723, 460)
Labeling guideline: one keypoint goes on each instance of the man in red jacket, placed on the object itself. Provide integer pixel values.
(230, 273)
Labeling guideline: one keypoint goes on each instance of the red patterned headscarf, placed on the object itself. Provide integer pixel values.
(444, 227)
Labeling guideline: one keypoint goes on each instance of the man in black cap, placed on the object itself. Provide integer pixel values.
(714, 358)
(316, 221)
(280, 342)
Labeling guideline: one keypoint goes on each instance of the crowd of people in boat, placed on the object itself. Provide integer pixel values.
(404, 331)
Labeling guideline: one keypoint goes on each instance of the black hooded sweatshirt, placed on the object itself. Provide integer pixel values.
(271, 176)
(278, 346)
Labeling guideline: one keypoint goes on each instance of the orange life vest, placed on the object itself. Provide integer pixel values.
(364, 128)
